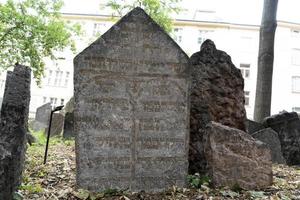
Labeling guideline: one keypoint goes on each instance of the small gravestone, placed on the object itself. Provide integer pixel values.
(42, 117)
(270, 137)
(234, 158)
(253, 126)
(57, 124)
(217, 94)
(287, 125)
(131, 111)
(69, 106)
(69, 125)
(69, 120)
(13, 127)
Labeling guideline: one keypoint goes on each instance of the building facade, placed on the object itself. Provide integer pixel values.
(240, 41)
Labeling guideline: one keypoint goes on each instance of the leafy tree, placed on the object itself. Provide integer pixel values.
(31, 30)
(265, 61)
(159, 10)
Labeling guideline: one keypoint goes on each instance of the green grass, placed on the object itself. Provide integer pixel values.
(41, 138)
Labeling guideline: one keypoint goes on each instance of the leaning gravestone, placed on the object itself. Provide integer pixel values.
(287, 125)
(131, 108)
(42, 117)
(217, 94)
(14, 118)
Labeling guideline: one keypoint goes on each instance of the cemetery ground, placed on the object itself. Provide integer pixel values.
(56, 180)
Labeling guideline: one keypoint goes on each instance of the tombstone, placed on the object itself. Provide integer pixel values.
(69, 126)
(69, 120)
(13, 126)
(287, 125)
(236, 159)
(217, 94)
(42, 117)
(69, 106)
(57, 125)
(253, 126)
(131, 111)
(270, 137)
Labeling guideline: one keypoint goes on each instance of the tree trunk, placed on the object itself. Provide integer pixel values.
(265, 61)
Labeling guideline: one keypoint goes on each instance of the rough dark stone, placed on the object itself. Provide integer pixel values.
(57, 124)
(236, 158)
(253, 126)
(13, 126)
(42, 117)
(69, 125)
(270, 137)
(217, 94)
(287, 125)
(131, 109)
(30, 139)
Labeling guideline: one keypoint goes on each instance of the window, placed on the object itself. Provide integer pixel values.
(98, 29)
(203, 35)
(296, 109)
(53, 101)
(49, 77)
(247, 93)
(58, 78)
(296, 84)
(245, 70)
(178, 34)
(296, 56)
(62, 101)
(67, 79)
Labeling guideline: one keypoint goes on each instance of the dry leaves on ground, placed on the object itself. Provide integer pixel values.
(56, 180)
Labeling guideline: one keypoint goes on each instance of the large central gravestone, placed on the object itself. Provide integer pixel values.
(131, 108)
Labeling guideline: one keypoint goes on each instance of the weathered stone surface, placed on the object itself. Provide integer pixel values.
(14, 117)
(253, 126)
(69, 125)
(217, 94)
(234, 157)
(131, 111)
(69, 119)
(69, 106)
(270, 137)
(287, 125)
(42, 117)
(57, 124)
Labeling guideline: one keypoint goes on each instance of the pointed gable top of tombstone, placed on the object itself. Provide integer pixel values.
(136, 30)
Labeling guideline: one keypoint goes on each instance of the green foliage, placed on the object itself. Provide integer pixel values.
(159, 10)
(196, 180)
(32, 30)
(36, 188)
(40, 137)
